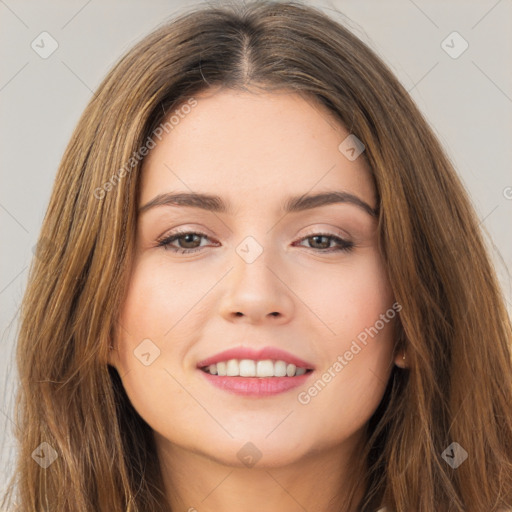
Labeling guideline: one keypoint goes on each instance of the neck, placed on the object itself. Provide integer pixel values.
(320, 482)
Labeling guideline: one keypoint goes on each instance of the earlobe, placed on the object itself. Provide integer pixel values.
(400, 360)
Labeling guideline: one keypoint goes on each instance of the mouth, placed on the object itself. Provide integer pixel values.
(255, 373)
(266, 368)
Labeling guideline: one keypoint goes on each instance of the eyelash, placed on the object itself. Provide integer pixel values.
(345, 245)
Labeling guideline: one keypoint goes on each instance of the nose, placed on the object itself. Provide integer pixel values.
(257, 292)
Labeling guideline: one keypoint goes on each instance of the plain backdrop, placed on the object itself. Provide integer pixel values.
(467, 100)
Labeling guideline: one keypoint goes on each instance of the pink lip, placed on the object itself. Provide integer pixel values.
(256, 386)
(261, 354)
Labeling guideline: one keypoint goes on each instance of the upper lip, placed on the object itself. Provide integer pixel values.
(255, 354)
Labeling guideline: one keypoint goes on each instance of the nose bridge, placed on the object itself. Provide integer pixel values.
(252, 264)
(253, 288)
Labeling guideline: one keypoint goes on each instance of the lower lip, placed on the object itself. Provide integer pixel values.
(256, 386)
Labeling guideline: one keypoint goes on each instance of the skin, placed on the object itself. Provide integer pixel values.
(254, 150)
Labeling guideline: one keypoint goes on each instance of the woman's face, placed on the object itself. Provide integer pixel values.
(266, 268)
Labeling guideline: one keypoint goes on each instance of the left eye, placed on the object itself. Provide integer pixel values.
(325, 238)
(188, 242)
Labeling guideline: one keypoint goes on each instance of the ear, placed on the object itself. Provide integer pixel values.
(112, 355)
(399, 359)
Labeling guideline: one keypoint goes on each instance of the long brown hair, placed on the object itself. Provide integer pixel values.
(453, 321)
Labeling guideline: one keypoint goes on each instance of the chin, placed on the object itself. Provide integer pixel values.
(255, 451)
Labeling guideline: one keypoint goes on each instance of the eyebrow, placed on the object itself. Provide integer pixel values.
(214, 203)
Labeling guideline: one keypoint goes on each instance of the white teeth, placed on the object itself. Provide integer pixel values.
(264, 368)
(251, 368)
(279, 369)
(247, 368)
(221, 369)
(290, 370)
(232, 368)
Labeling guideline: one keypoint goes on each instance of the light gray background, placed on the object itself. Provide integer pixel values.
(467, 100)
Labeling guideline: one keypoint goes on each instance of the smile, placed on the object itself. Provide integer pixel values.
(253, 368)
(255, 372)
(252, 378)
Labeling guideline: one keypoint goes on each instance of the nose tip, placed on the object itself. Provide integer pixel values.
(254, 293)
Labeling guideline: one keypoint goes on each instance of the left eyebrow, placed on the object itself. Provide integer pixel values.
(216, 204)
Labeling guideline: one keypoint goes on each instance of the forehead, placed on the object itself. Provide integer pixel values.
(257, 146)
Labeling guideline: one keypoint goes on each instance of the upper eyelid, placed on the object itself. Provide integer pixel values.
(336, 231)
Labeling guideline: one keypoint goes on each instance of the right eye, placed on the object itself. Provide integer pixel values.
(187, 240)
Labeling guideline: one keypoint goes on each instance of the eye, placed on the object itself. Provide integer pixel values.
(190, 241)
(322, 242)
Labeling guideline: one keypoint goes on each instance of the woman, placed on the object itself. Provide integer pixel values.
(262, 286)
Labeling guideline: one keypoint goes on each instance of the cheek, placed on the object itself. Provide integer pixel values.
(357, 354)
(153, 306)
(350, 297)
(157, 299)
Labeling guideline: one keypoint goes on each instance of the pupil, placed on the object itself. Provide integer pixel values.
(316, 238)
(189, 239)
